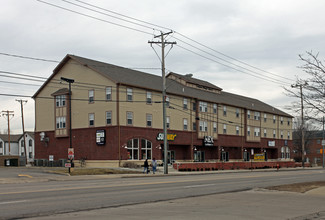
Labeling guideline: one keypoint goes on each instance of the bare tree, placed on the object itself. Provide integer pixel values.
(313, 91)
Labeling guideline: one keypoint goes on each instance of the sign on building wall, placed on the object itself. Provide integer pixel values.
(271, 143)
(170, 137)
(100, 137)
(208, 141)
(259, 157)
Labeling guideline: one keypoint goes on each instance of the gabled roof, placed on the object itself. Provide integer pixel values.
(134, 78)
(13, 137)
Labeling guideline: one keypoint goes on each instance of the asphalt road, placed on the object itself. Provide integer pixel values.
(73, 196)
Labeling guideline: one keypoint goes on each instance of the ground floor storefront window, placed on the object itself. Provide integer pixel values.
(134, 146)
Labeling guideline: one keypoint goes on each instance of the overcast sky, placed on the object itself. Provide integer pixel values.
(247, 47)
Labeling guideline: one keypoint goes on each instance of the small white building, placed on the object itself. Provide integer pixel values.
(16, 147)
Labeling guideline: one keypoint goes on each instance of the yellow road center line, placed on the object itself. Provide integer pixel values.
(25, 175)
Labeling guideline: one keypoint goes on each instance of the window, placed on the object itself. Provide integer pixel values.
(224, 110)
(214, 126)
(129, 118)
(91, 119)
(248, 114)
(203, 106)
(281, 134)
(185, 103)
(224, 128)
(248, 131)
(194, 106)
(288, 121)
(282, 152)
(265, 116)
(274, 119)
(274, 134)
(318, 141)
(60, 122)
(108, 118)
(91, 96)
(149, 98)
(194, 126)
(129, 94)
(146, 149)
(133, 149)
(167, 122)
(203, 126)
(237, 130)
(185, 124)
(167, 101)
(1, 148)
(256, 132)
(149, 120)
(288, 134)
(215, 108)
(30, 155)
(281, 120)
(257, 116)
(265, 133)
(287, 152)
(60, 100)
(108, 93)
(237, 112)
(30, 143)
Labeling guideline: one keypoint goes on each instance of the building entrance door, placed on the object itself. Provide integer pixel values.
(199, 156)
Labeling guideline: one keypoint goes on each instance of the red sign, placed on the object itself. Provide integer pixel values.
(67, 164)
(71, 153)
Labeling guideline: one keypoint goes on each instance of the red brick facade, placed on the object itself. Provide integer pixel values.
(184, 145)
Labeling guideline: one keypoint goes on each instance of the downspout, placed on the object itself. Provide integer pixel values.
(118, 122)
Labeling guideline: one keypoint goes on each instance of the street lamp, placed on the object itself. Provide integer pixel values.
(70, 119)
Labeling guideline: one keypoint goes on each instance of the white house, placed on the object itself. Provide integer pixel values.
(16, 146)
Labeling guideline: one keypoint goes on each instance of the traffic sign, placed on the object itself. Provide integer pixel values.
(71, 153)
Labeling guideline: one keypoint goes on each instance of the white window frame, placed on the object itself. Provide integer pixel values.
(203, 106)
(237, 130)
(214, 126)
(256, 132)
(215, 108)
(237, 112)
(91, 96)
(60, 100)
(91, 119)
(129, 94)
(185, 124)
(224, 129)
(108, 117)
(185, 103)
(224, 110)
(248, 114)
(108, 93)
(129, 118)
(146, 149)
(248, 131)
(168, 122)
(149, 97)
(149, 120)
(60, 122)
(133, 147)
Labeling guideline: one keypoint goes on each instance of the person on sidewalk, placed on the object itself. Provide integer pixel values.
(146, 166)
(154, 165)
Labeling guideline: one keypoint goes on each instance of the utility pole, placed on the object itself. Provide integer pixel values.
(302, 121)
(23, 125)
(163, 44)
(8, 114)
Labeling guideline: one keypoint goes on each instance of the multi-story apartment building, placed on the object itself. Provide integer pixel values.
(116, 116)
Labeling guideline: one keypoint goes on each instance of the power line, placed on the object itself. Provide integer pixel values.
(137, 20)
(99, 19)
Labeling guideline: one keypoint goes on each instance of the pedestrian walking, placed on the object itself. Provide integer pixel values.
(154, 165)
(146, 166)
